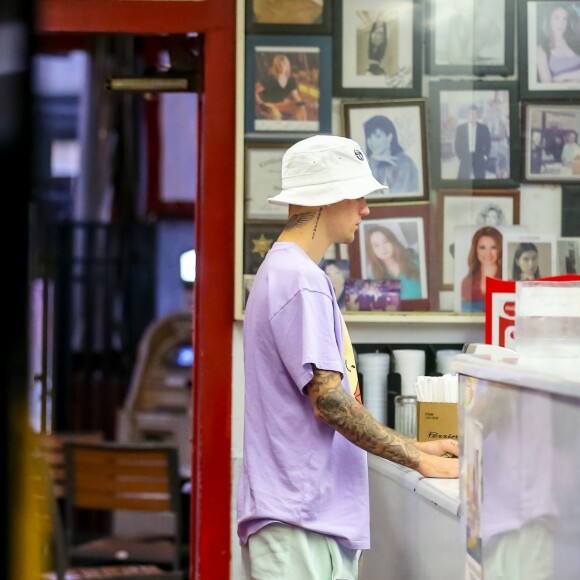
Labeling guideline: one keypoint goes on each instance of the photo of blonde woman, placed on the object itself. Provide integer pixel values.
(287, 83)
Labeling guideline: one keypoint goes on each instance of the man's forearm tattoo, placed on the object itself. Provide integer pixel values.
(352, 420)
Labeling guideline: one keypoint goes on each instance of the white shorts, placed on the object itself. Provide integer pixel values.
(524, 553)
(282, 552)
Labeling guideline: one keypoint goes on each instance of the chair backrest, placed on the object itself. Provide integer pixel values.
(52, 535)
(52, 446)
(109, 476)
(47, 514)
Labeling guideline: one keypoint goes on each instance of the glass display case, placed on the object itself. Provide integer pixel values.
(519, 465)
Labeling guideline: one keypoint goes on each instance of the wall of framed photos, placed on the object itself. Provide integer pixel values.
(470, 111)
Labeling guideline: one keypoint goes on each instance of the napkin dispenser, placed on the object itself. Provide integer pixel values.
(437, 421)
(437, 408)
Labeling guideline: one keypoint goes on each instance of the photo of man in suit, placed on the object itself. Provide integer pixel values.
(472, 146)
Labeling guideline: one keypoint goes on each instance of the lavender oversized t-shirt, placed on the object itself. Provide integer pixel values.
(297, 469)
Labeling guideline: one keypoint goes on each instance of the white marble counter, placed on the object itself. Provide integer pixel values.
(442, 492)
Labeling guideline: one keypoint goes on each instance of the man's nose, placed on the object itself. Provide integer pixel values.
(364, 208)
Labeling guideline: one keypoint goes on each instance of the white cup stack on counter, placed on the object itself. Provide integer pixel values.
(410, 364)
(443, 359)
(374, 367)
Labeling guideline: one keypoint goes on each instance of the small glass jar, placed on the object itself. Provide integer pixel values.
(406, 415)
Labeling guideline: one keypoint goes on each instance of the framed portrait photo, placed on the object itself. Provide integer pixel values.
(288, 16)
(469, 37)
(392, 244)
(455, 207)
(392, 135)
(568, 253)
(263, 179)
(478, 256)
(288, 85)
(529, 257)
(377, 48)
(550, 48)
(475, 134)
(551, 142)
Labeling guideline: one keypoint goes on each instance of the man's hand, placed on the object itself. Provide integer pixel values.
(433, 462)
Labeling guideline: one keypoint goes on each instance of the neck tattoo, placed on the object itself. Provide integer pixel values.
(298, 220)
(316, 224)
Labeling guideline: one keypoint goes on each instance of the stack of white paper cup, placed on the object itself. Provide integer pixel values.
(374, 366)
(444, 358)
(410, 364)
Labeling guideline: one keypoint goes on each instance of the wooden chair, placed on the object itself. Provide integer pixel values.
(52, 540)
(52, 447)
(137, 477)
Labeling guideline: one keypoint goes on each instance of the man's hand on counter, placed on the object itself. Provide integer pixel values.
(435, 460)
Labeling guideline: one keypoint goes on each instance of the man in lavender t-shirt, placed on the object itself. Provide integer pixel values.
(303, 498)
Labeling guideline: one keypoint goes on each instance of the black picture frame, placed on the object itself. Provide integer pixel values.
(406, 121)
(396, 71)
(453, 28)
(259, 237)
(495, 162)
(309, 58)
(287, 17)
(550, 142)
(536, 75)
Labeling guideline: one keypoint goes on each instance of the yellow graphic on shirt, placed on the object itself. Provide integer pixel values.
(350, 364)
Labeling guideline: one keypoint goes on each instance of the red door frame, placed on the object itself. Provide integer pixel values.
(214, 226)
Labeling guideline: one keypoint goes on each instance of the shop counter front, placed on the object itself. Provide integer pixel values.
(514, 512)
(519, 421)
(415, 526)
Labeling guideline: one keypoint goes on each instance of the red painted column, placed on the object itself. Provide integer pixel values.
(214, 304)
(214, 242)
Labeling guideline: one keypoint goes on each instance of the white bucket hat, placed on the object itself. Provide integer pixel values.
(325, 169)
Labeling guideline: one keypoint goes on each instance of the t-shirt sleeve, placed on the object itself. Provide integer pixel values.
(305, 334)
(292, 85)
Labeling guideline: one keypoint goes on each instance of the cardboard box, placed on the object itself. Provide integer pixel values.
(437, 421)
